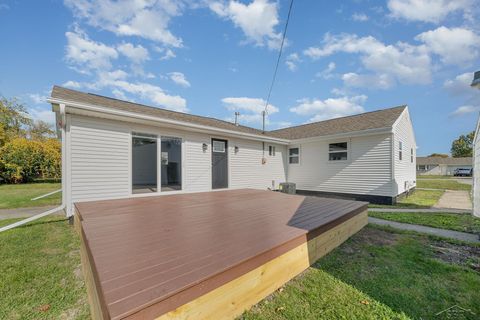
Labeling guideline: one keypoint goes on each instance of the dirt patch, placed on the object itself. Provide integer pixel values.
(375, 237)
(464, 255)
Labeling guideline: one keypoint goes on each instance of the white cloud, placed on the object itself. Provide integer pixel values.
(327, 72)
(292, 60)
(257, 20)
(179, 78)
(428, 10)
(87, 55)
(250, 109)
(465, 110)
(360, 17)
(460, 85)
(167, 53)
(152, 93)
(253, 105)
(401, 62)
(37, 98)
(380, 81)
(145, 19)
(320, 110)
(137, 54)
(43, 114)
(455, 46)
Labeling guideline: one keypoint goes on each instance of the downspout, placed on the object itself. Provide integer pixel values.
(62, 124)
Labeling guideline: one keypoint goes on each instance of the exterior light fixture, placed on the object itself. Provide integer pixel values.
(236, 149)
(204, 147)
(476, 80)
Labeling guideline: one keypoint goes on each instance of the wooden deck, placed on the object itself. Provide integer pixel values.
(203, 255)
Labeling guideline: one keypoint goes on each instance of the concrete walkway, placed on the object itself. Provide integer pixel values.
(463, 236)
(454, 199)
(25, 212)
(426, 210)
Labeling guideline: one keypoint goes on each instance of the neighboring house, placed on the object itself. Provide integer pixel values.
(118, 149)
(442, 166)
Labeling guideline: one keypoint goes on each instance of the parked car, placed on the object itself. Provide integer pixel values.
(462, 172)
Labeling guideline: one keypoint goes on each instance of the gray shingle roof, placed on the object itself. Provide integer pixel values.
(370, 120)
(464, 161)
(365, 121)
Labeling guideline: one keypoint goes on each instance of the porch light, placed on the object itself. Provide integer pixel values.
(476, 80)
(204, 147)
(236, 149)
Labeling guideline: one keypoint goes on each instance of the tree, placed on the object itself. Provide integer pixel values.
(463, 146)
(40, 130)
(14, 119)
(439, 155)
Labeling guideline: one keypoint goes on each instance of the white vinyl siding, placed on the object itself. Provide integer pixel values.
(100, 158)
(246, 168)
(368, 170)
(405, 170)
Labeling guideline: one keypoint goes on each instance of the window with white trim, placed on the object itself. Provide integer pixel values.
(271, 151)
(338, 151)
(400, 147)
(293, 155)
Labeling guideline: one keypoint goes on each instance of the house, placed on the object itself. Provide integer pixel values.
(442, 166)
(476, 169)
(117, 149)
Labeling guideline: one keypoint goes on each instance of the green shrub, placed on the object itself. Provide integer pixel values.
(22, 160)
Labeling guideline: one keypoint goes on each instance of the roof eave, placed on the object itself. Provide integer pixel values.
(367, 132)
(196, 127)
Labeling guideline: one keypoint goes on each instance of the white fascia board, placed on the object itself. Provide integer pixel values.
(106, 112)
(350, 134)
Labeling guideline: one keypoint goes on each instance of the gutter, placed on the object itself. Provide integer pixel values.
(104, 110)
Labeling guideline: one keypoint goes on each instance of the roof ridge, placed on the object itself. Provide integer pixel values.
(345, 117)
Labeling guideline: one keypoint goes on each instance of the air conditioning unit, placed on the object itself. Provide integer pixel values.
(288, 187)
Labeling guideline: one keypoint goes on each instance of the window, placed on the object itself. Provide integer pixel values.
(218, 146)
(400, 150)
(293, 155)
(411, 155)
(144, 163)
(271, 151)
(171, 155)
(337, 151)
(422, 167)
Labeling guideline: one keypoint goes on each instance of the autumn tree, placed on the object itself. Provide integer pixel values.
(463, 146)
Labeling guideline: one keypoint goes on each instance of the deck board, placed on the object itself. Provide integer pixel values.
(160, 252)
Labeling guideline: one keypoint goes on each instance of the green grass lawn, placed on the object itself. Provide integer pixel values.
(418, 199)
(450, 221)
(434, 177)
(443, 184)
(40, 273)
(19, 195)
(379, 274)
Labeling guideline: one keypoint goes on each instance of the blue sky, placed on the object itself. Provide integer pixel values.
(213, 58)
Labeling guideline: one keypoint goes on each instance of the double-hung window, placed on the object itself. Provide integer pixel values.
(293, 156)
(338, 151)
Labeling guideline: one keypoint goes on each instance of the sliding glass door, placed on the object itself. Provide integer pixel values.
(144, 163)
(171, 155)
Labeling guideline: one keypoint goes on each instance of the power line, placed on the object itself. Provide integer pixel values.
(276, 66)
